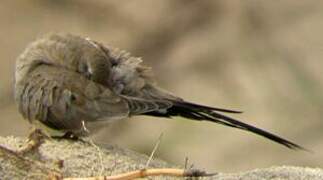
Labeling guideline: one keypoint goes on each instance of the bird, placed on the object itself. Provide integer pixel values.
(65, 83)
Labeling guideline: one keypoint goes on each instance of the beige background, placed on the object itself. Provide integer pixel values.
(262, 57)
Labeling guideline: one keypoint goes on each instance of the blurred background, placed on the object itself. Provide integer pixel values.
(262, 57)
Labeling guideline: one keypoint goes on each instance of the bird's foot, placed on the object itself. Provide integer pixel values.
(31, 151)
(35, 139)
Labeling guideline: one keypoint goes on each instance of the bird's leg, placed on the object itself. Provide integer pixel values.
(31, 149)
(35, 139)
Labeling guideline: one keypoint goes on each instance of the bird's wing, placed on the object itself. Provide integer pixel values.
(62, 99)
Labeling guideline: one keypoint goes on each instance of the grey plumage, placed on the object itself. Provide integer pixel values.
(66, 81)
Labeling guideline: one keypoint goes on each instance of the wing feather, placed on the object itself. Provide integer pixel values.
(62, 99)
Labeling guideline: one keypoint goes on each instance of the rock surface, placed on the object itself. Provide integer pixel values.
(85, 159)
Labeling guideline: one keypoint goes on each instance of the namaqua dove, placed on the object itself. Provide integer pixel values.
(66, 82)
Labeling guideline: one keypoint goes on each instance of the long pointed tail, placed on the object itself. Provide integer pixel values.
(201, 113)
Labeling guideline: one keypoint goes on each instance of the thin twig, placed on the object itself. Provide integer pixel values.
(186, 162)
(154, 150)
(149, 172)
(100, 155)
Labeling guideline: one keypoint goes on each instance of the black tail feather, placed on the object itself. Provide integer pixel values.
(190, 105)
(200, 113)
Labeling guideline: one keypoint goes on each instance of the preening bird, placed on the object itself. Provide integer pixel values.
(67, 82)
